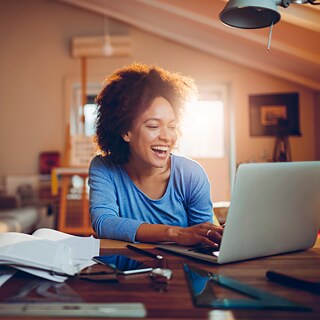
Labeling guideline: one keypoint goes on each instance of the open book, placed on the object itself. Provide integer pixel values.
(48, 253)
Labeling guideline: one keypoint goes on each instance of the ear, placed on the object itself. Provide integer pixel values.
(126, 137)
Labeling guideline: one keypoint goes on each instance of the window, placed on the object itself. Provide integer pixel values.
(89, 110)
(90, 115)
(80, 142)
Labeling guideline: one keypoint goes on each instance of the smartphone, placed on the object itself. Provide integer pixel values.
(122, 264)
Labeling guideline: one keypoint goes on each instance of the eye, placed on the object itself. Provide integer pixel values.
(152, 126)
(172, 126)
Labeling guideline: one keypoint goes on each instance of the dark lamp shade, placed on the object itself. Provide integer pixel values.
(250, 14)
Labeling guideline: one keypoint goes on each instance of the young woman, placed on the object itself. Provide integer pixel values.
(139, 190)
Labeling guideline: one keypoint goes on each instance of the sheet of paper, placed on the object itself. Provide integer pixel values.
(27, 250)
(48, 253)
(84, 248)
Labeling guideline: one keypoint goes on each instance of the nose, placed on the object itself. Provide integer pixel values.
(165, 134)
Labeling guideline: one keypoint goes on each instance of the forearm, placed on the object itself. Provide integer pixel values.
(113, 227)
(185, 236)
(157, 233)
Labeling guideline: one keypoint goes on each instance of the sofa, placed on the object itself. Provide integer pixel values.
(19, 219)
(21, 214)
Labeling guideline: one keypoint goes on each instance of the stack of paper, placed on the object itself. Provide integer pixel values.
(48, 253)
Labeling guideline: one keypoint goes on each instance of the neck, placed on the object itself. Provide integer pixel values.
(139, 172)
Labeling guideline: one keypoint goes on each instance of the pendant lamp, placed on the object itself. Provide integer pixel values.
(250, 14)
(107, 47)
(255, 14)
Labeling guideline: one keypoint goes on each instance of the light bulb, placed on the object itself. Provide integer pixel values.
(107, 48)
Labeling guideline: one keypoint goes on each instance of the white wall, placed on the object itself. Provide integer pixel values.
(35, 63)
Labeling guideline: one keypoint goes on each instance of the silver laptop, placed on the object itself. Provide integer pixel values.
(275, 208)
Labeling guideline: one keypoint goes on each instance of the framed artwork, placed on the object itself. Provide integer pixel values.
(82, 150)
(274, 114)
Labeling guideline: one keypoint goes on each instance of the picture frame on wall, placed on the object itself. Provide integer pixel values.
(274, 114)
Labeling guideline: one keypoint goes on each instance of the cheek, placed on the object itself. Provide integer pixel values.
(150, 136)
(174, 137)
(145, 139)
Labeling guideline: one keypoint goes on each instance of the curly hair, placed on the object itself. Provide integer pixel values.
(126, 94)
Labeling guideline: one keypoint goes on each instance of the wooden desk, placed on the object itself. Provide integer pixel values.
(176, 302)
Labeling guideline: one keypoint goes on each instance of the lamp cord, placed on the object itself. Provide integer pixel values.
(270, 35)
(106, 26)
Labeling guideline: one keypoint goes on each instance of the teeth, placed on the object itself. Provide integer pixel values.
(160, 148)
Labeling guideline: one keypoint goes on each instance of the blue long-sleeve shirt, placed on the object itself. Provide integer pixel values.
(118, 207)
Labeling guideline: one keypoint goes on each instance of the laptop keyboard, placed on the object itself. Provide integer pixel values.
(205, 250)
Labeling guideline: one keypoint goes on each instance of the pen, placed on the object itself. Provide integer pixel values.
(147, 253)
(287, 280)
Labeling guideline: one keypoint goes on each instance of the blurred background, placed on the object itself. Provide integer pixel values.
(55, 55)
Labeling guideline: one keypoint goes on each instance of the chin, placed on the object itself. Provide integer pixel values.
(160, 163)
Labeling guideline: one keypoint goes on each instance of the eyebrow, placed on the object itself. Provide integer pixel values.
(152, 119)
(158, 119)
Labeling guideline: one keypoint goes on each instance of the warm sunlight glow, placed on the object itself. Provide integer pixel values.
(203, 130)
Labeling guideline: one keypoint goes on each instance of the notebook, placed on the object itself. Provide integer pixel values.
(274, 209)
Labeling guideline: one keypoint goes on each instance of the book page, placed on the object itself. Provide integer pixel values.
(28, 250)
(48, 250)
(84, 248)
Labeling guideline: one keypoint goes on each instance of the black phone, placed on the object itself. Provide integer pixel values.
(122, 264)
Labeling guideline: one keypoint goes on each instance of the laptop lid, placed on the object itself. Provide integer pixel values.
(275, 208)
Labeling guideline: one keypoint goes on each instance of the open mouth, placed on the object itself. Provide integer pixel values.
(160, 150)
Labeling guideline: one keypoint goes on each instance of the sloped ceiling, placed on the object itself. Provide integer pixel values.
(295, 45)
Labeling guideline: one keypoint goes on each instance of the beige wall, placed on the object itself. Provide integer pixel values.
(317, 124)
(35, 63)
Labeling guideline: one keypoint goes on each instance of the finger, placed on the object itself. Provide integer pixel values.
(212, 232)
(218, 230)
(207, 241)
(206, 225)
(215, 236)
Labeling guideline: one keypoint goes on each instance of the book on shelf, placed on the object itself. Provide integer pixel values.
(48, 253)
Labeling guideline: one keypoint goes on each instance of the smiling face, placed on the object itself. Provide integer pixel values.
(153, 135)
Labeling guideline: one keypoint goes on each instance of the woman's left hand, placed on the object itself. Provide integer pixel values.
(206, 233)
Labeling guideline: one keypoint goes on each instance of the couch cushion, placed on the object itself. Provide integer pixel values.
(9, 201)
(19, 219)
